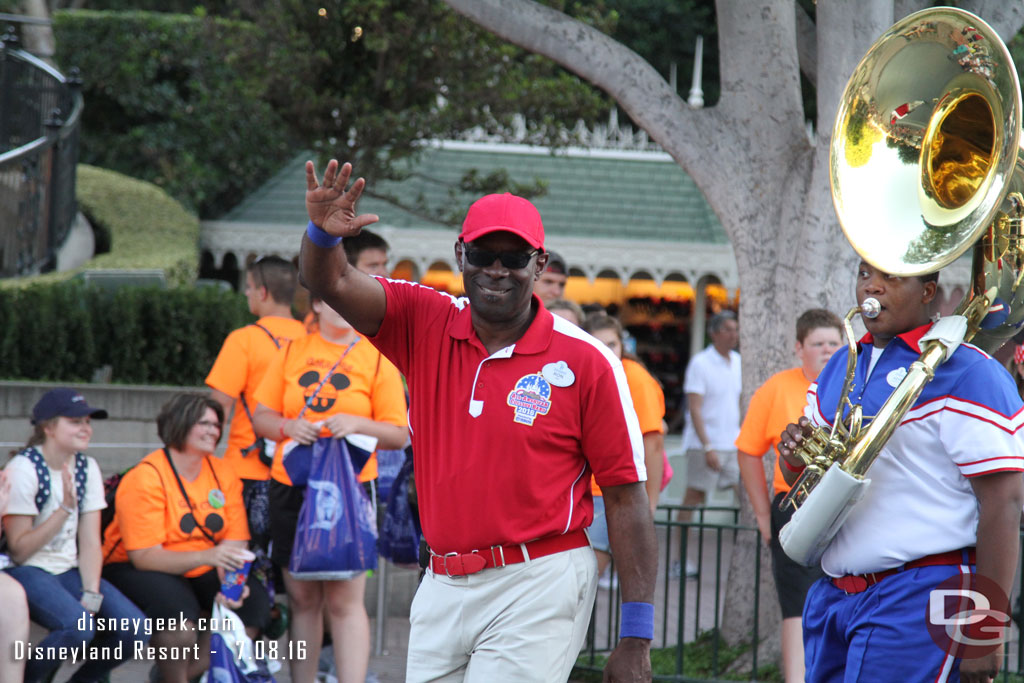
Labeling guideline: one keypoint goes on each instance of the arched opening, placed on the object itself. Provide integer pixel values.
(441, 277)
(405, 270)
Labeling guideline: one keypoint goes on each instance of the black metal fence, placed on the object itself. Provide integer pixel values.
(688, 605)
(40, 112)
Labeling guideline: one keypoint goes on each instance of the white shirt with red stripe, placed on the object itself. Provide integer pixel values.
(966, 423)
(504, 444)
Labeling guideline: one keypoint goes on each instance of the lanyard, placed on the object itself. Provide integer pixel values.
(309, 401)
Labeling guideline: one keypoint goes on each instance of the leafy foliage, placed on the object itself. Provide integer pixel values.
(368, 81)
(182, 105)
(147, 335)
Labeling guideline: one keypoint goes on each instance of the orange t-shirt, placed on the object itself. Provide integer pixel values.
(775, 404)
(151, 510)
(239, 367)
(364, 384)
(648, 402)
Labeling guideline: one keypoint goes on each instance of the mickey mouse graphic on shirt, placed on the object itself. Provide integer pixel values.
(323, 400)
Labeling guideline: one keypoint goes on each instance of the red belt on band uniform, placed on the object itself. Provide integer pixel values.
(461, 564)
(858, 583)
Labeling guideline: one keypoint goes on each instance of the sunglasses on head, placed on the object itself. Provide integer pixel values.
(513, 260)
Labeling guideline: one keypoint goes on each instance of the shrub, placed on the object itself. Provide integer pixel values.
(66, 331)
(143, 227)
(183, 103)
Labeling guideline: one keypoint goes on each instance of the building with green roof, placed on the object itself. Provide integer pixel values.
(618, 213)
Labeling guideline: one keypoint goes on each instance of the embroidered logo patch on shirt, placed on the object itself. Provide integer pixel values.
(530, 397)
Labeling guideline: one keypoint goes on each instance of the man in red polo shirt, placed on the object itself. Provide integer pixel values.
(512, 409)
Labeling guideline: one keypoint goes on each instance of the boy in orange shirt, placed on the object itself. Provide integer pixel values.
(243, 359)
(778, 402)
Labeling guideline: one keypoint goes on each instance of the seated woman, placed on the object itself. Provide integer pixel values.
(53, 535)
(328, 384)
(14, 615)
(179, 523)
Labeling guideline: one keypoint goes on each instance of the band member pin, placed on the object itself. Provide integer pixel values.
(558, 374)
(896, 376)
(216, 498)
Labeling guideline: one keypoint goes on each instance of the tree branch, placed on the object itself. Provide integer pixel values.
(1006, 18)
(903, 8)
(638, 88)
(806, 44)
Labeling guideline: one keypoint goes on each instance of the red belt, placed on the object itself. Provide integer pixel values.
(461, 564)
(858, 583)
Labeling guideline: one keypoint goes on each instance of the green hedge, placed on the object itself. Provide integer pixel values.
(66, 331)
(140, 225)
(177, 100)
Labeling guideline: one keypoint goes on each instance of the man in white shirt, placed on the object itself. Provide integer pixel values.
(713, 384)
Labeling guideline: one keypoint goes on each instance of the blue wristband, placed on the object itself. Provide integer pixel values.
(320, 237)
(637, 620)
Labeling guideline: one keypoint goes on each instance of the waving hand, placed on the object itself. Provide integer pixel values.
(331, 207)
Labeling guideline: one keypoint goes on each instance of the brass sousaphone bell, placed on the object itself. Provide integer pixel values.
(925, 163)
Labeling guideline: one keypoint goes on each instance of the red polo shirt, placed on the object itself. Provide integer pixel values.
(505, 443)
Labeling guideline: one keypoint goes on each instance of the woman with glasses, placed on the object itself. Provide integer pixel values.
(179, 524)
(328, 384)
(52, 525)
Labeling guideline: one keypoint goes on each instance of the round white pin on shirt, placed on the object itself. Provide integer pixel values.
(558, 374)
(896, 376)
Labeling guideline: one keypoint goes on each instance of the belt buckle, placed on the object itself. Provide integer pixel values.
(501, 554)
(446, 556)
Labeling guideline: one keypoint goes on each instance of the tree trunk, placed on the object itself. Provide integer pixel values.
(38, 38)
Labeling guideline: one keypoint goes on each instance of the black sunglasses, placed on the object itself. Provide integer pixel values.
(513, 260)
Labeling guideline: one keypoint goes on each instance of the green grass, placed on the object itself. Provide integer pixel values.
(698, 663)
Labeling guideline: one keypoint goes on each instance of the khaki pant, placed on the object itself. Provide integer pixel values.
(524, 622)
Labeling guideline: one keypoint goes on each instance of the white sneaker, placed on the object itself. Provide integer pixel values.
(676, 571)
(609, 581)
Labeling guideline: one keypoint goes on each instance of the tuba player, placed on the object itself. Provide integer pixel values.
(935, 537)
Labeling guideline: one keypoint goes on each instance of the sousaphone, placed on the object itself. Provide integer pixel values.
(925, 164)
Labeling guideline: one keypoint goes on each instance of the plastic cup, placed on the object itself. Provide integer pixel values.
(234, 579)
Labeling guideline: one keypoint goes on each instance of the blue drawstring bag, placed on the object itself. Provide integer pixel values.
(400, 531)
(388, 464)
(231, 652)
(222, 666)
(336, 535)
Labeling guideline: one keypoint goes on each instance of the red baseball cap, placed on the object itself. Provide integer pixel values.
(506, 212)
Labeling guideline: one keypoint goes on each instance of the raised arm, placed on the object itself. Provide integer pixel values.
(323, 268)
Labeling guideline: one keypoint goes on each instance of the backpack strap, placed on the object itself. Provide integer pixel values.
(269, 334)
(81, 475)
(35, 456)
(241, 395)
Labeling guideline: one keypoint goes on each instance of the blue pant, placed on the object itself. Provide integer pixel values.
(53, 603)
(880, 634)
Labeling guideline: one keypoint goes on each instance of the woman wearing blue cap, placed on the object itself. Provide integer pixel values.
(52, 525)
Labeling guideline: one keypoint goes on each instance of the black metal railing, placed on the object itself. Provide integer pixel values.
(40, 113)
(688, 599)
(689, 608)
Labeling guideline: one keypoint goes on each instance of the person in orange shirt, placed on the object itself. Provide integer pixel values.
(269, 288)
(649, 404)
(367, 252)
(328, 384)
(179, 524)
(778, 402)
